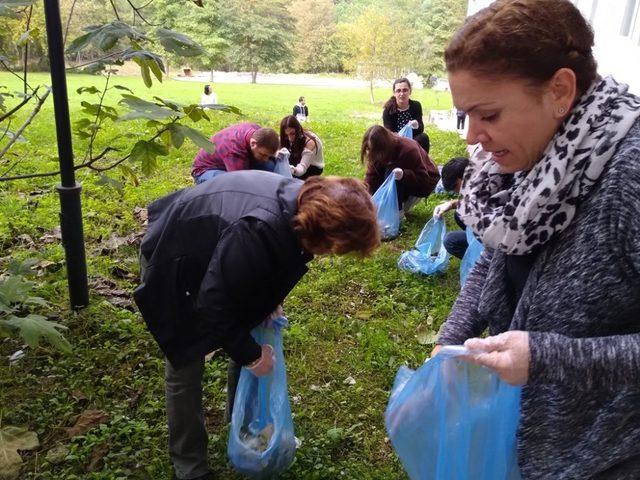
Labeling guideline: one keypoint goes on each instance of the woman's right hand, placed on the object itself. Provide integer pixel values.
(264, 365)
(441, 209)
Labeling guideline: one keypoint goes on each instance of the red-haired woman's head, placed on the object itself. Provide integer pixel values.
(336, 215)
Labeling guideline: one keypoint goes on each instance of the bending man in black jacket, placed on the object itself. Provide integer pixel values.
(217, 259)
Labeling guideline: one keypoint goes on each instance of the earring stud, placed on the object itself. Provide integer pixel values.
(561, 110)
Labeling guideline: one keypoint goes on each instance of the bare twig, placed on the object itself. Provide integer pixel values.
(137, 10)
(18, 132)
(66, 30)
(98, 120)
(25, 60)
(115, 10)
(24, 101)
(10, 70)
(4, 134)
(114, 54)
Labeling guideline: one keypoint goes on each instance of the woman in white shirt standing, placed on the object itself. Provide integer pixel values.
(208, 97)
(306, 156)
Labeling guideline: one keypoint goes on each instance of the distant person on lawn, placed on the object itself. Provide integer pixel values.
(300, 110)
(208, 97)
(242, 146)
(219, 258)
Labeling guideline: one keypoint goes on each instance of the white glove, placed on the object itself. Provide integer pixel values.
(398, 173)
(414, 124)
(441, 210)
(263, 365)
(508, 354)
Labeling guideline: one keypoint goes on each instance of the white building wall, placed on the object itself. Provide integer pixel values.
(616, 24)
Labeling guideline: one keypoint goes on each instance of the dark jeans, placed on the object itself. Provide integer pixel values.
(188, 436)
(456, 242)
(311, 171)
(460, 125)
(423, 141)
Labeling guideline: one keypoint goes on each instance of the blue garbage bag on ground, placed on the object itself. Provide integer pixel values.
(406, 131)
(282, 164)
(261, 440)
(471, 255)
(453, 420)
(429, 255)
(386, 202)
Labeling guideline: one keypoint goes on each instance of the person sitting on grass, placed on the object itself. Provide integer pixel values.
(242, 146)
(305, 148)
(301, 110)
(219, 258)
(208, 97)
(384, 152)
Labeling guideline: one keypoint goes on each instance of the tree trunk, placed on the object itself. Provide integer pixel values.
(254, 76)
(371, 89)
(211, 75)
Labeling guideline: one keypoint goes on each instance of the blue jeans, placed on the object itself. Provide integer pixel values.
(456, 242)
(207, 175)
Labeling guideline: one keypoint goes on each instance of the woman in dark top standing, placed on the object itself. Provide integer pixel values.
(385, 152)
(400, 110)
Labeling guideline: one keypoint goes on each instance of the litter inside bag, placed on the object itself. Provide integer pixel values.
(471, 256)
(452, 420)
(261, 440)
(429, 255)
(386, 202)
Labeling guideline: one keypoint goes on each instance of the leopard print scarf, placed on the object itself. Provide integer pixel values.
(515, 213)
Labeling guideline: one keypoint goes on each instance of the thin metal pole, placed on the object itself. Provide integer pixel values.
(69, 190)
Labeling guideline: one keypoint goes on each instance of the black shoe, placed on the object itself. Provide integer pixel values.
(206, 476)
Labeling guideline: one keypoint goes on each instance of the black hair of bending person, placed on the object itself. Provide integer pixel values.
(453, 171)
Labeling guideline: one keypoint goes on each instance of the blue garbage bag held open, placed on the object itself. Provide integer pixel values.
(453, 420)
(261, 440)
(282, 164)
(471, 255)
(386, 202)
(429, 255)
(406, 131)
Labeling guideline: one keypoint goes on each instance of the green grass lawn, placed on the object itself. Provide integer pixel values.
(349, 318)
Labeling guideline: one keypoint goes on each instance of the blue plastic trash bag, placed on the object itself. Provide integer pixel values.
(429, 255)
(282, 164)
(453, 420)
(261, 440)
(439, 185)
(386, 202)
(406, 131)
(471, 256)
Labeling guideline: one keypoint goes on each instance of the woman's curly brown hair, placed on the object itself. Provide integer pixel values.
(336, 215)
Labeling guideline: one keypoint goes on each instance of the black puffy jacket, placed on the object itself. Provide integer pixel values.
(218, 258)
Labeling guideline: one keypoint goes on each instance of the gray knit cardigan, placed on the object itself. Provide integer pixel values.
(581, 305)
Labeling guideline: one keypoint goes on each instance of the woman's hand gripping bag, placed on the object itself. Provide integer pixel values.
(429, 255)
(453, 420)
(386, 202)
(261, 440)
(471, 255)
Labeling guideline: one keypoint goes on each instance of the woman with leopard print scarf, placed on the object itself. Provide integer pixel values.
(557, 207)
